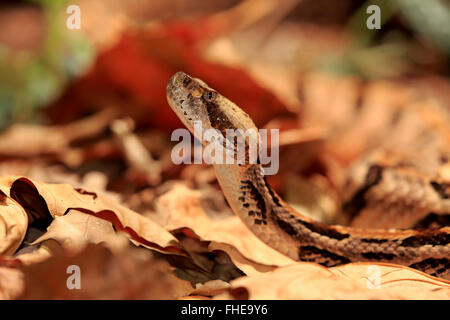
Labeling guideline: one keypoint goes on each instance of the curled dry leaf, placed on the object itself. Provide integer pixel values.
(203, 264)
(13, 224)
(182, 207)
(75, 229)
(39, 253)
(47, 201)
(352, 281)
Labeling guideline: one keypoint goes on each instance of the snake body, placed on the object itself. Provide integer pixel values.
(281, 227)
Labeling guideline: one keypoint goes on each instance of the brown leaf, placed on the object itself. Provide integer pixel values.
(128, 274)
(182, 207)
(13, 224)
(47, 201)
(352, 281)
(21, 140)
(11, 283)
(75, 229)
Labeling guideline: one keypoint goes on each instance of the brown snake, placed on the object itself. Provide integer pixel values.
(291, 233)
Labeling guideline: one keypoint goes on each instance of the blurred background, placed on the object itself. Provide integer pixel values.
(126, 50)
(90, 103)
(87, 107)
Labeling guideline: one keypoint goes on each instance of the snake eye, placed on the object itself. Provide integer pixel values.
(186, 81)
(209, 95)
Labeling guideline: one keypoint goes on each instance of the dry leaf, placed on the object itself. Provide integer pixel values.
(182, 207)
(13, 224)
(75, 229)
(22, 140)
(129, 274)
(352, 281)
(52, 200)
(11, 283)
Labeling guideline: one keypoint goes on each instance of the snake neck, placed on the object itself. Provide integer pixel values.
(256, 204)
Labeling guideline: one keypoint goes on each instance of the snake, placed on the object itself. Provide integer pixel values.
(292, 233)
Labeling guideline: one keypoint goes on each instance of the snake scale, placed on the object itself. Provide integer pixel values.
(291, 233)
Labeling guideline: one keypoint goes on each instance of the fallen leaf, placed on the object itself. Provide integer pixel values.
(13, 224)
(311, 281)
(128, 274)
(49, 201)
(182, 207)
(11, 283)
(75, 229)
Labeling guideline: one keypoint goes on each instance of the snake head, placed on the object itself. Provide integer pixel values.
(193, 100)
(189, 98)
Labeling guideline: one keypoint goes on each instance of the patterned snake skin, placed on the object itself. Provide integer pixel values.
(399, 189)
